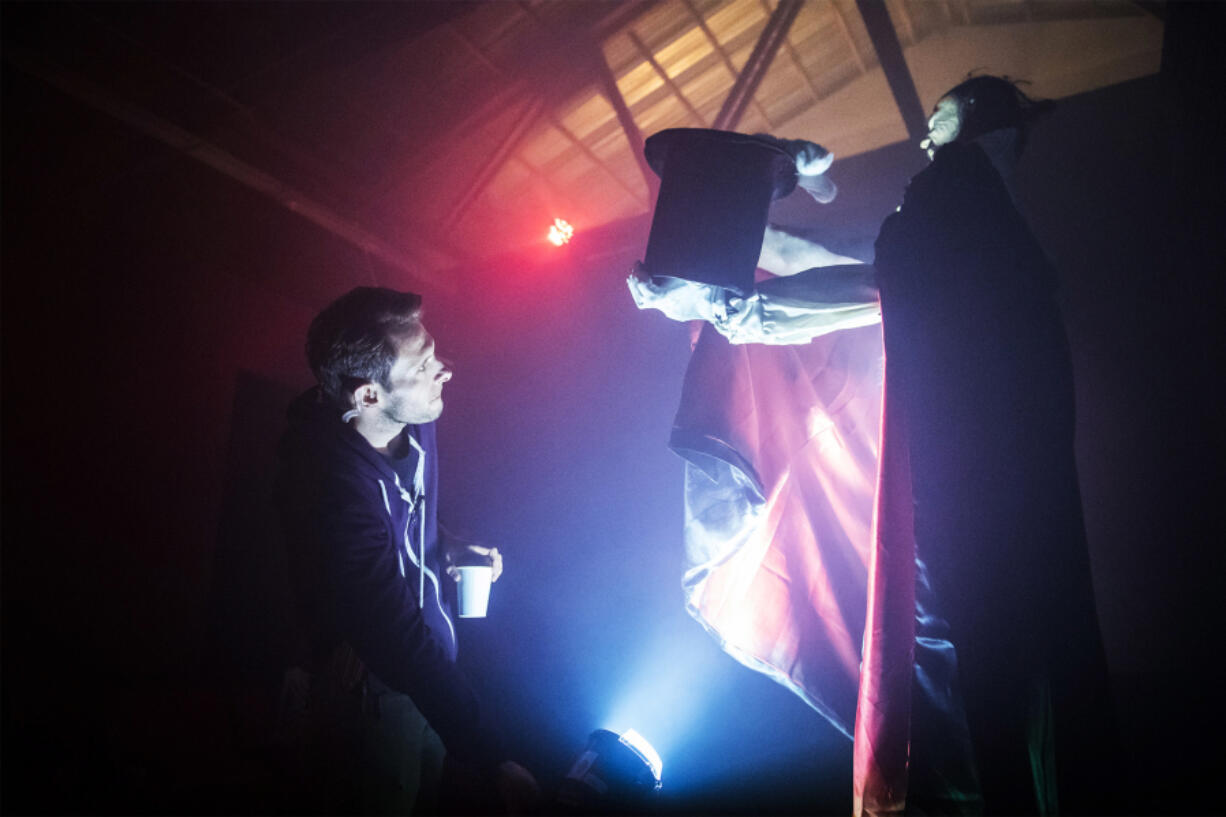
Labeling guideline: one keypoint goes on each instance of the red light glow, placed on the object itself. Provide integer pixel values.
(560, 232)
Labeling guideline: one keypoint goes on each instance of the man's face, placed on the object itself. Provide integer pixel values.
(944, 125)
(417, 378)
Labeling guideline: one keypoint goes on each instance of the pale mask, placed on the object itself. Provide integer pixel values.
(944, 125)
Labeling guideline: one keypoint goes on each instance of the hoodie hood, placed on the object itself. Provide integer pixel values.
(316, 430)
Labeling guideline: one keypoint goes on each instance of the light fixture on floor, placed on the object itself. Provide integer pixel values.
(613, 774)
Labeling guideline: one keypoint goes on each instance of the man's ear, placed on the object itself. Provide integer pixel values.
(365, 396)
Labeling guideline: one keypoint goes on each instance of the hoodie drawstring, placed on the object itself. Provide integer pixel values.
(417, 505)
(419, 486)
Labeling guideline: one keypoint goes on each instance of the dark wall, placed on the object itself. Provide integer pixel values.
(146, 294)
(153, 313)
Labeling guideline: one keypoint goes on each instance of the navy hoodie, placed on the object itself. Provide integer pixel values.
(355, 528)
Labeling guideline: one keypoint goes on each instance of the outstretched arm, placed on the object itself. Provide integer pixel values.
(781, 311)
(787, 254)
(798, 308)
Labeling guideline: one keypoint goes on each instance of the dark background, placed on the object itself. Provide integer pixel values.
(153, 317)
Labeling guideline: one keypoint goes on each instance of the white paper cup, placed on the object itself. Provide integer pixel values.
(475, 590)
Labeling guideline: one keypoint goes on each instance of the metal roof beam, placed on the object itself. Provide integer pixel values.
(909, 25)
(601, 163)
(889, 54)
(723, 55)
(553, 120)
(850, 40)
(624, 118)
(796, 63)
(555, 195)
(773, 34)
(650, 58)
(604, 74)
(491, 166)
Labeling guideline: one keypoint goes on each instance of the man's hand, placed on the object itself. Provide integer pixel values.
(677, 298)
(457, 552)
(785, 253)
(517, 787)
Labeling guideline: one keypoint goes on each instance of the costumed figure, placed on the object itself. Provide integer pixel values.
(977, 510)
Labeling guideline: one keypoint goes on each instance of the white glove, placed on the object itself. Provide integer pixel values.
(812, 162)
(811, 158)
(677, 298)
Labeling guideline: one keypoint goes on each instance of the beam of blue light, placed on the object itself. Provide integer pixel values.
(666, 690)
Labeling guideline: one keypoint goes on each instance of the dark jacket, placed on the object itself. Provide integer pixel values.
(364, 573)
(976, 353)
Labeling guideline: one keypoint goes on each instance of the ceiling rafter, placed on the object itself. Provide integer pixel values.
(617, 102)
(548, 116)
(504, 150)
(472, 48)
(650, 58)
(723, 55)
(625, 118)
(850, 40)
(627, 11)
(512, 94)
(794, 57)
(773, 34)
(889, 55)
(907, 23)
(543, 179)
(601, 163)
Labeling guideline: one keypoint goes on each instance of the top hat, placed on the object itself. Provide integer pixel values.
(716, 188)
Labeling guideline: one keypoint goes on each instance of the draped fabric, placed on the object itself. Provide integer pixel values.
(883, 716)
(793, 533)
(781, 447)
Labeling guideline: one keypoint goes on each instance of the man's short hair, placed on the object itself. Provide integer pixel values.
(353, 340)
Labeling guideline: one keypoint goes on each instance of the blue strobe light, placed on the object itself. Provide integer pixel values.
(614, 774)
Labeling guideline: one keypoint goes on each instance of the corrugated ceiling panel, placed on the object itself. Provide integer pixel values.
(588, 115)
(665, 113)
(639, 83)
(544, 147)
(687, 52)
(736, 23)
(512, 181)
